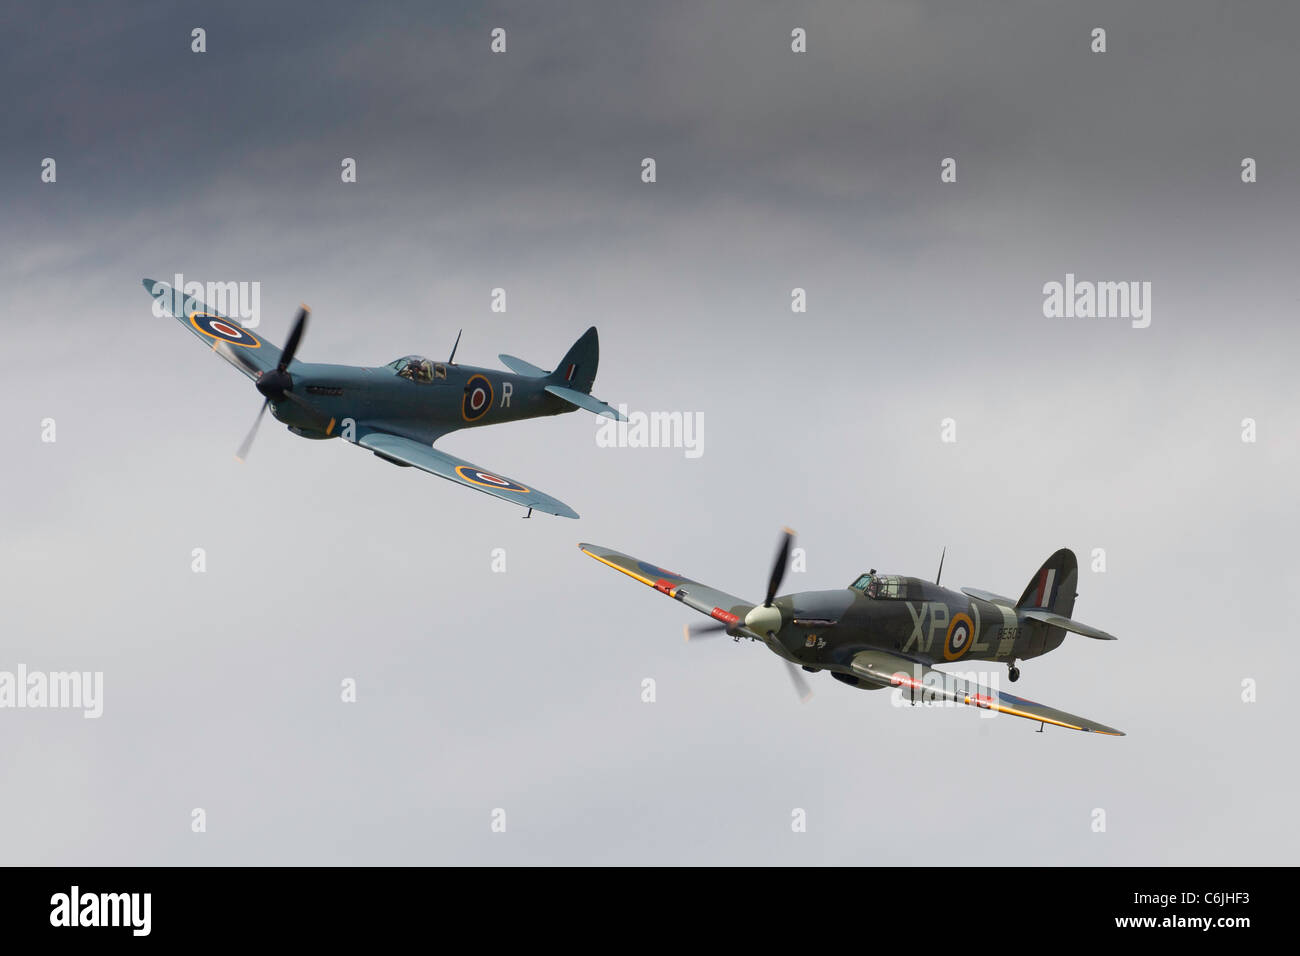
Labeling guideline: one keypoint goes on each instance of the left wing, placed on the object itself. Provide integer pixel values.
(922, 682)
(242, 348)
(406, 451)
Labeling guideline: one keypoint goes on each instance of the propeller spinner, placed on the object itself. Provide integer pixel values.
(764, 619)
(277, 384)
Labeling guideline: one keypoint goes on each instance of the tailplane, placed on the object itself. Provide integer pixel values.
(573, 377)
(1049, 600)
(576, 371)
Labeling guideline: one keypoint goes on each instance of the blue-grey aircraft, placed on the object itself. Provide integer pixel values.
(887, 630)
(400, 409)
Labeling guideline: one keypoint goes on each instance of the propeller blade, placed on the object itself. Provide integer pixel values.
(800, 684)
(295, 336)
(778, 569)
(252, 433)
(692, 631)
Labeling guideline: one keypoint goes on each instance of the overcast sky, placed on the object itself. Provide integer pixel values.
(522, 690)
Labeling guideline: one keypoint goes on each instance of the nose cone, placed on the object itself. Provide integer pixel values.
(274, 384)
(764, 620)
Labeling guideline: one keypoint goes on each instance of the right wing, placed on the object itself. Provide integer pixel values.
(406, 451)
(718, 605)
(919, 681)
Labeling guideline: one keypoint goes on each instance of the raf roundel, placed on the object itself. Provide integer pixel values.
(485, 479)
(224, 330)
(478, 398)
(657, 572)
(961, 635)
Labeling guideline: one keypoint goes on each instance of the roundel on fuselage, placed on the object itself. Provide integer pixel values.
(961, 635)
(478, 398)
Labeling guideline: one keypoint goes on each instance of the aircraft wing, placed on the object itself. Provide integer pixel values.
(241, 347)
(718, 605)
(406, 451)
(926, 683)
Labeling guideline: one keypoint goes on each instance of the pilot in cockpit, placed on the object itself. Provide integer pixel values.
(868, 584)
(417, 370)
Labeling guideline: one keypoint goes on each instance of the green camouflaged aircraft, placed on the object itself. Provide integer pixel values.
(887, 631)
(398, 410)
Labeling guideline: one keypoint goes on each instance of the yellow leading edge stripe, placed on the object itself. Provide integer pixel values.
(1046, 720)
(618, 567)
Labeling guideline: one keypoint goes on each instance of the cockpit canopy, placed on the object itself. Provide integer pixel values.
(418, 368)
(887, 587)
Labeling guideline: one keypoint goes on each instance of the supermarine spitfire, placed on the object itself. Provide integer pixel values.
(398, 410)
(888, 631)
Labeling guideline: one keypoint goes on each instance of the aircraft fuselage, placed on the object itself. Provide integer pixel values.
(458, 396)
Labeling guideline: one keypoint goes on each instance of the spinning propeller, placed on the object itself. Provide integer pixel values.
(277, 384)
(762, 619)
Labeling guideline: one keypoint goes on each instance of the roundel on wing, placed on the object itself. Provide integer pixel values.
(657, 572)
(478, 398)
(961, 635)
(224, 330)
(485, 479)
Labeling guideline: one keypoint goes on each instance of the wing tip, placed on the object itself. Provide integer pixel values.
(552, 507)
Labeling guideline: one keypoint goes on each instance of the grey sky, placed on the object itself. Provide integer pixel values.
(522, 690)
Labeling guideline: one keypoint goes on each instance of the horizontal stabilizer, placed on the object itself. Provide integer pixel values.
(988, 596)
(583, 400)
(1055, 620)
(520, 367)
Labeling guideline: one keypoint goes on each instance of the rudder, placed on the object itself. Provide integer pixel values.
(577, 370)
(1055, 585)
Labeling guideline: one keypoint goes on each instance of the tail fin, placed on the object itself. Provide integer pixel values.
(1054, 586)
(577, 370)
